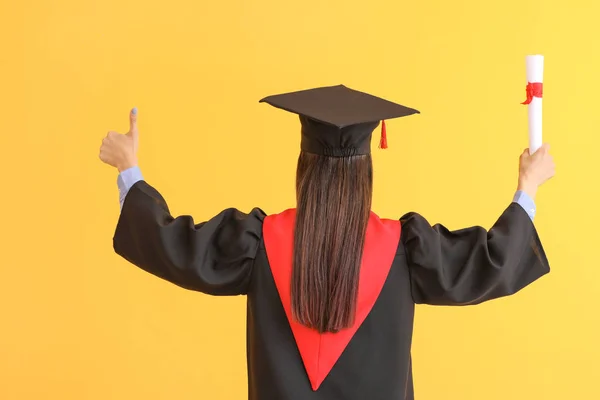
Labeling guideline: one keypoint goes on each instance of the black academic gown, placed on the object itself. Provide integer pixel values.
(406, 262)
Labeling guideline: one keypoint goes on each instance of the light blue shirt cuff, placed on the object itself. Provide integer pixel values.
(525, 201)
(126, 180)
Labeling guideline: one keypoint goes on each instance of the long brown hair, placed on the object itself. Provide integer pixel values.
(333, 207)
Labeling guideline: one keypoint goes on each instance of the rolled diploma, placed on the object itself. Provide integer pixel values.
(535, 73)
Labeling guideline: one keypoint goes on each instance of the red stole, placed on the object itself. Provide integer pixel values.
(320, 352)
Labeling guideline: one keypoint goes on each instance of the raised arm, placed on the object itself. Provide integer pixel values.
(214, 257)
(472, 265)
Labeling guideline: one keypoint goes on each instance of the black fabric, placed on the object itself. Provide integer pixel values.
(473, 265)
(337, 121)
(214, 257)
(375, 365)
(226, 256)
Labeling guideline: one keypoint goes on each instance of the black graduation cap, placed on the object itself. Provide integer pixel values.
(338, 121)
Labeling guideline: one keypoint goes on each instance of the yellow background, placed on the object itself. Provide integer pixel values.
(80, 323)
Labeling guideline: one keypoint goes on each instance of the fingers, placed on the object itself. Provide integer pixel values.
(107, 143)
(104, 155)
(133, 128)
(542, 151)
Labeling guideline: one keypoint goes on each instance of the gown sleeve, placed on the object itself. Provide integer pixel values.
(213, 257)
(472, 265)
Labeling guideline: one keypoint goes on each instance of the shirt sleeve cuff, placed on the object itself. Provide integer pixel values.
(126, 180)
(525, 201)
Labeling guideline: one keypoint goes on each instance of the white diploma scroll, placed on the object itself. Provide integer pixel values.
(535, 75)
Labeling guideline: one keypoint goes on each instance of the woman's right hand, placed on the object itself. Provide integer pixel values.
(535, 169)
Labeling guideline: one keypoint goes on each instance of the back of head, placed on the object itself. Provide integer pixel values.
(333, 207)
(334, 191)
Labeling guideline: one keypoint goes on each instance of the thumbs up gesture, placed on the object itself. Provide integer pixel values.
(118, 150)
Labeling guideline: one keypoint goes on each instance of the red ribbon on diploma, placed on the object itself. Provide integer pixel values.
(535, 89)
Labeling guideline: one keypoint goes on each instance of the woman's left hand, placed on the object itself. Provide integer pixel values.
(120, 150)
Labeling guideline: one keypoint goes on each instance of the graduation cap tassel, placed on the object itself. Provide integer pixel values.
(383, 142)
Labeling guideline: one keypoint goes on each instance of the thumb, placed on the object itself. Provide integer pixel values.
(133, 128)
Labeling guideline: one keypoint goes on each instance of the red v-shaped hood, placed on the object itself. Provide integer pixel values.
(320, 352)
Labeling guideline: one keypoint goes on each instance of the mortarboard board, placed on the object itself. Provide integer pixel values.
(338, 121)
